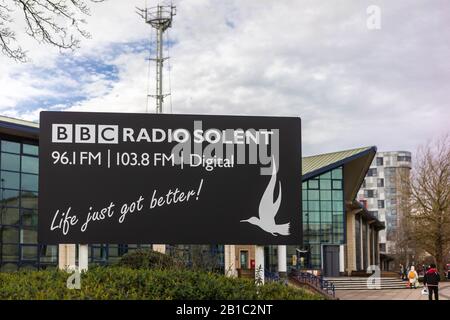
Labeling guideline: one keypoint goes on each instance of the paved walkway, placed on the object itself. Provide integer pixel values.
(393, 294)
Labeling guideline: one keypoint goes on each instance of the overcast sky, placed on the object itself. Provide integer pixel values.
(351, 86)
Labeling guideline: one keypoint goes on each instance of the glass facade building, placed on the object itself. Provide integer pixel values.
(19, 165)
(323, 214)
(323, 221)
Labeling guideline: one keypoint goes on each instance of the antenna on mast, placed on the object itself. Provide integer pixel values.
(160, 18)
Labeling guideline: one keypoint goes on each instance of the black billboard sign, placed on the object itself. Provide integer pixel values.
(175, 179)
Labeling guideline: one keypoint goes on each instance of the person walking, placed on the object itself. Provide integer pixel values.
(431, 281)
(413, 277)
(402, 271)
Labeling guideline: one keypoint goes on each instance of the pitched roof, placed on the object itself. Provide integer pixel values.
(316, 162)
(355, 163)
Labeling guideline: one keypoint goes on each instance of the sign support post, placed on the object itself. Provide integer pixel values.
(161, 248)
(66, 256)
(282, 267)
(230, 263)
(83, 257)
(259, 264)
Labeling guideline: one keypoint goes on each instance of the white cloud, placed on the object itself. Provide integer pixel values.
(313, 59)
(16, 85)
(126, 95)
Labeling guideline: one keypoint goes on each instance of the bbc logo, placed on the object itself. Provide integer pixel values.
(85, 133)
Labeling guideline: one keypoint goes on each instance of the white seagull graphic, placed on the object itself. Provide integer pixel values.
(268, 209)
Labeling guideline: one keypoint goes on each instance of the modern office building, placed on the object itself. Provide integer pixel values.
(340, 235)
(18, 195)
(381, 193)
(19, 205)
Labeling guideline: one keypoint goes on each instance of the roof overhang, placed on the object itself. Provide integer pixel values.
(19, 128)
(355, 163)
(357, 208)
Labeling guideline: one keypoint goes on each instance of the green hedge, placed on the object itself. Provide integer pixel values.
(148, 259)
(124, 283)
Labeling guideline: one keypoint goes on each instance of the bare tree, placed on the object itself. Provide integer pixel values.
(406, 245)
(55, 22)
(429, 217)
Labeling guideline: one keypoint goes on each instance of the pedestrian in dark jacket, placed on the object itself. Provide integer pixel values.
(431, 281)
(402, 272)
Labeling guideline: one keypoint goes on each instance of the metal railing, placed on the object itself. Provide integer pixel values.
(316, 281)
(271, 276)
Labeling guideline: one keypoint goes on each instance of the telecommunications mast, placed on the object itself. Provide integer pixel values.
(160, 18)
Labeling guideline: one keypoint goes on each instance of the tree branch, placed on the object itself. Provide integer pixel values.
(54, 22)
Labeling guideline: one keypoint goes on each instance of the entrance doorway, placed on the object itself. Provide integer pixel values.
(302, 258)
(243, 259)
(331, 261)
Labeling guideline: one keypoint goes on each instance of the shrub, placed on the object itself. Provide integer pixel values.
(147, 259)
(101, 283)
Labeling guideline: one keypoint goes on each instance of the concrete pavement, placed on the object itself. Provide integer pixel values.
(394, 294)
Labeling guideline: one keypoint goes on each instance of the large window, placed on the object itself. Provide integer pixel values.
(370, 193)
(374, 213)
(243, 259)
(372, 172)
(404, 158)
(323, 213)
(19, 165)
(379, 161)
